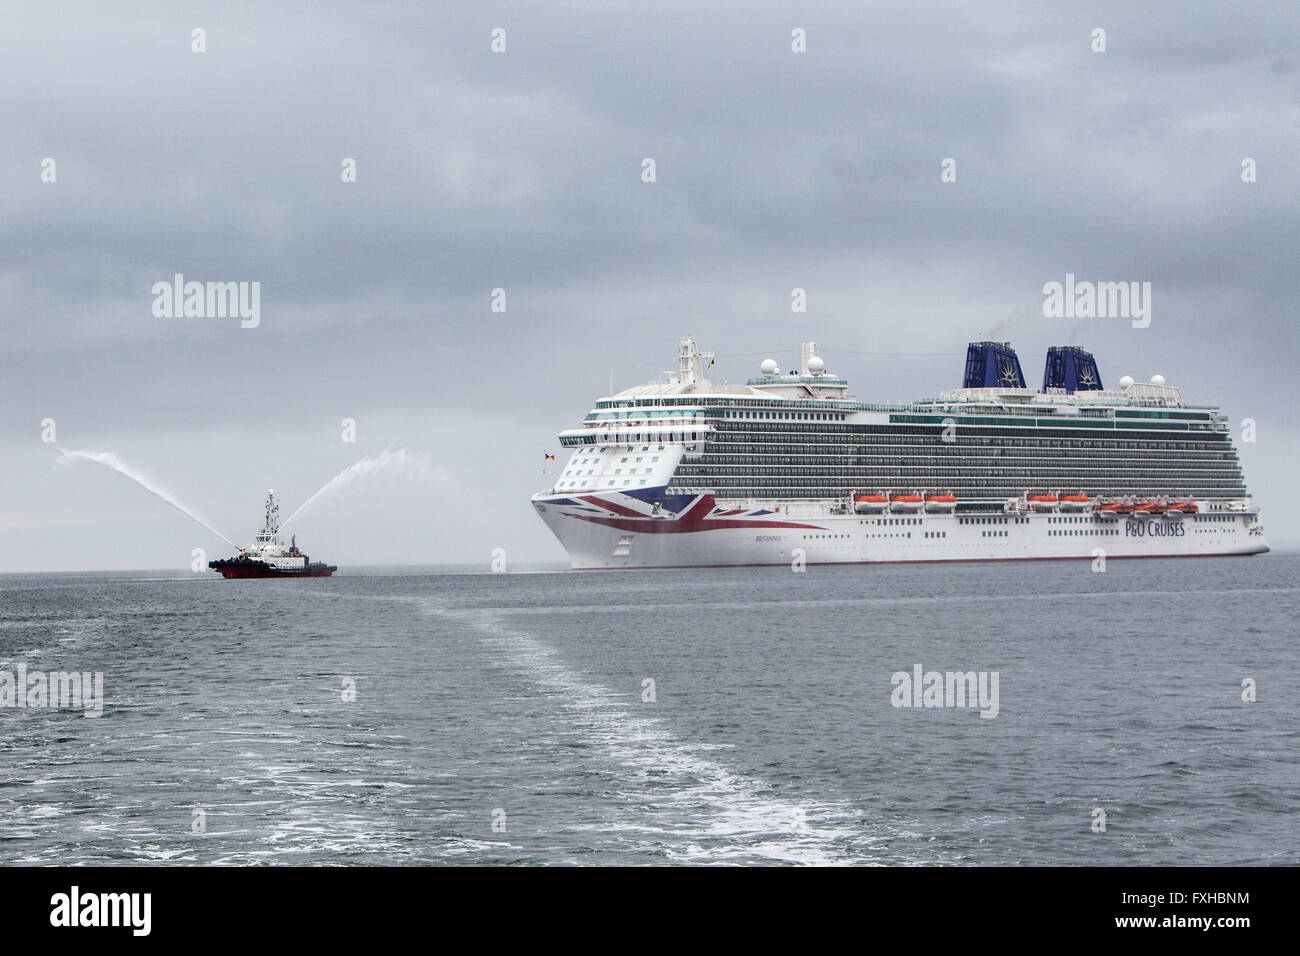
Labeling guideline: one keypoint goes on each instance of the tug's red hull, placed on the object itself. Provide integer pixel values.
(257, 569)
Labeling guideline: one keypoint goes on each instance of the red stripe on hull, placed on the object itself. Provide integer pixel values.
(698, 517)
(263, 573)
(611, 506)
(692, 526)
(1063, 557)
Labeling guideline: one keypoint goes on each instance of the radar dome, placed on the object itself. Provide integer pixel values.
(769, 367)
(815, 365)
(1157, 379)
(1126, 381)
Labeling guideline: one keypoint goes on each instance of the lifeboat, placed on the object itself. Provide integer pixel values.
(1042, 502)
(1074, 502)
(870, 504)
(905, 504)
(940, 503)
(1148, 509)
(1114, 509)
(1176, 509)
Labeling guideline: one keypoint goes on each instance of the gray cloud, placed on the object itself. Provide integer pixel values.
(522, 171)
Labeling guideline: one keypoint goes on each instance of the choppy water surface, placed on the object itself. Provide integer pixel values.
(519, 699)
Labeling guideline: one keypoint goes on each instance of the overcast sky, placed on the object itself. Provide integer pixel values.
(522, 170)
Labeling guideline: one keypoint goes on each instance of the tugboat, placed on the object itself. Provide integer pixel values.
(268, 557)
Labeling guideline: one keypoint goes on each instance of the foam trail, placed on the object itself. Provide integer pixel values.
(110, 460)
(743, 822)
(388, 459)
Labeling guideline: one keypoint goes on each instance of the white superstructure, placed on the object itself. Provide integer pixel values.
(267, 545)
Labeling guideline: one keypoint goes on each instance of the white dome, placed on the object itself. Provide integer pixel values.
(815, 365)
(1157, 379)
(1126, 381)
(769, 367)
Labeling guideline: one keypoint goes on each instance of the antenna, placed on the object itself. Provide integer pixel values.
(272, 526)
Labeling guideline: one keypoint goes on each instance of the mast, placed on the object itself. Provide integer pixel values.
(690, 365)
(272, 526)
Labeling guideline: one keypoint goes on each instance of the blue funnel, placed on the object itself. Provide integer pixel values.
(992, 365)
(1071, 368)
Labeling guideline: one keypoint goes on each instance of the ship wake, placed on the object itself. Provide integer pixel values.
(690, 807)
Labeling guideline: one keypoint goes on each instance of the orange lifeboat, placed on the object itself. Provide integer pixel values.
(1114, 509)
(905, 504)
(870, 504)
(1042, 502)
(1176, 509)
(1074, 502)
(1149, 509)
(940, 503)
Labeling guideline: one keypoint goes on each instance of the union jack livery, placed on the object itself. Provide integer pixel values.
(790, 469)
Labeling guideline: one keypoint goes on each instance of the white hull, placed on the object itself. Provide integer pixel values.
(611, 530)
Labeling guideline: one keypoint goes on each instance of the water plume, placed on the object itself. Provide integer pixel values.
(109, 460)
(399, 460)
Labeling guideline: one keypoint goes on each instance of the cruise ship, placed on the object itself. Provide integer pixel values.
(790, 469)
